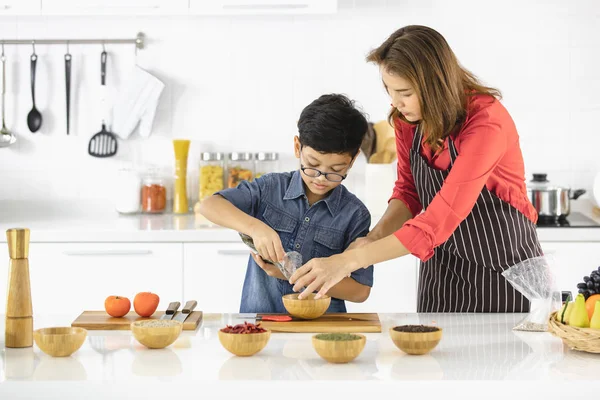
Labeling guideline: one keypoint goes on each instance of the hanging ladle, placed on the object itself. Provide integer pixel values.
(34, 118)
(6, 136)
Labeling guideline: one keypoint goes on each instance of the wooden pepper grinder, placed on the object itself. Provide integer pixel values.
(19, 313)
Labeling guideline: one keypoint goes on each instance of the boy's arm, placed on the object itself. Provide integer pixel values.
(357, 287)
(233, 208)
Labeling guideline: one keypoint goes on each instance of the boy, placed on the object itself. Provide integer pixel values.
(307, 210)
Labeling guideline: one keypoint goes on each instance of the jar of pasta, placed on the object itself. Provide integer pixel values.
(265, 163)
(154, 192)
(212, 174)
(240, 167)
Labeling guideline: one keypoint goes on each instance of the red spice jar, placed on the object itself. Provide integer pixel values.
(154, 194)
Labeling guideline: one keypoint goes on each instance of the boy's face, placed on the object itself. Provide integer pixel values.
(324, 162)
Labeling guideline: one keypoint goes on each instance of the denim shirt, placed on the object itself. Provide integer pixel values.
(326, 228)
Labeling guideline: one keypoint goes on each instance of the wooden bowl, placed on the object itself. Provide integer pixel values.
(59, 341)
(148, 333)
(308, 308)
(416, 343)
(339, 351)
(244, 344)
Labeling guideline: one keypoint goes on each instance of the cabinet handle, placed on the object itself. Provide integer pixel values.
(107, 252)
(264, 6)
(234, 252)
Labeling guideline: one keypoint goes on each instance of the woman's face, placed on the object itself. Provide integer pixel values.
(403, 95)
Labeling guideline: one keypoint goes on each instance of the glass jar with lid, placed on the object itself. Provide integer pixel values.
(212, 174)
(154, 192)
(266, 163)
(240, 167)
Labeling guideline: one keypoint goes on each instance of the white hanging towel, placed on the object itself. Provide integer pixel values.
(136, 104)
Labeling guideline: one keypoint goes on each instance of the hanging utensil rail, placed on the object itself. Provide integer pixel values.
(139, 41)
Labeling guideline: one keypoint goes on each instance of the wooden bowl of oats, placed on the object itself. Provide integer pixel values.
(156, 333)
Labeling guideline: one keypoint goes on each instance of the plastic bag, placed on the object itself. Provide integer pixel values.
(291, 262)
(536, 280)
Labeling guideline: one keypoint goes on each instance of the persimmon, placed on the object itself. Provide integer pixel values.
(117, 306)
(590, 303)
(145, 303)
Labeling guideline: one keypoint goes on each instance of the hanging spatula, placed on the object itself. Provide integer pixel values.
(103, 143)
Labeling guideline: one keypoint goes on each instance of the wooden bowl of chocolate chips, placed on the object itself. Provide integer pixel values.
(416, 339)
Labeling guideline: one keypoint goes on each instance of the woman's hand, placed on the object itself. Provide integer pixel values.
(267, 242)
(321, 274)
(360, 242)
(269, 269)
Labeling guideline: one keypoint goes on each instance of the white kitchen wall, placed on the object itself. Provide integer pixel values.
(239, 83)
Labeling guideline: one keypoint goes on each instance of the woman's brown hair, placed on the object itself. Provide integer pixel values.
(422, 56)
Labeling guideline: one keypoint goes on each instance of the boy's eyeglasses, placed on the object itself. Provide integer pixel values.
(315, 173)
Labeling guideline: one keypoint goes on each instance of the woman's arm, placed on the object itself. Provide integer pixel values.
(396, 214)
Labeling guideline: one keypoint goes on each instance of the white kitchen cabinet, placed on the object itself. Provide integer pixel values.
(20, 7)
(394, 288)
(68, 278)
(115, 7)
(4, 261)
(262, 7)
(214, 275)
(573, 261)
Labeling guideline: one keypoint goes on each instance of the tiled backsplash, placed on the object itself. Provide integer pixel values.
(239, 83)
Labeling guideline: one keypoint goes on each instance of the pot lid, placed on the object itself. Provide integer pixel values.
(540, 182)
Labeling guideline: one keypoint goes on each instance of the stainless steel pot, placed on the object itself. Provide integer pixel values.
(551, 202)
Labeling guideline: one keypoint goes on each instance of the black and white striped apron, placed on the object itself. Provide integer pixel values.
(464, 274)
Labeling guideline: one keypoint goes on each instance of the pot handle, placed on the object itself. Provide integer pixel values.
(577, 193)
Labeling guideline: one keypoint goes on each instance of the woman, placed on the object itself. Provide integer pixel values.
(460, 161)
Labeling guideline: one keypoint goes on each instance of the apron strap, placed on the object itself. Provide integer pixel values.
(417, 139)
(453, 152)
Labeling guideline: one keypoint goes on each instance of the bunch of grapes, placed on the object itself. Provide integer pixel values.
(590, 284)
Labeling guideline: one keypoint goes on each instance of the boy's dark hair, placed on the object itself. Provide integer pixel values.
(331, 124)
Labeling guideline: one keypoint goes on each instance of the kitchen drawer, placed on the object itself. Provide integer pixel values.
(262, 7)
(573, 261)
(67, 278)
(20, 7)
(214, 275)
(115, 7)
(394, 288)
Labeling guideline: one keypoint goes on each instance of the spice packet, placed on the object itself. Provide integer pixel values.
(291, 261)
(536, 280)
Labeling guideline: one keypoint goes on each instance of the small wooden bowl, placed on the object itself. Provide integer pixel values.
(308, 308)
(339, 351)
(156, 337)
(416, 343)
(244, 344)
(59, 341)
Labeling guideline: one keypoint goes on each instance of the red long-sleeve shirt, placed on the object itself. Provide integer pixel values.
(489, 155)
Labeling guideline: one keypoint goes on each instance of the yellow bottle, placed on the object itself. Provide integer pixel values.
(595, 322)
(180, 200)
(579, 316)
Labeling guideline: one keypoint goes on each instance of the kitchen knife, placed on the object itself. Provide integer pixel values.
(256, 317)
(187, 310)
(173, 307)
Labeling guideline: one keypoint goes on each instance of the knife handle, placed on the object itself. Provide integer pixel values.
(189, 306)
(173, 307)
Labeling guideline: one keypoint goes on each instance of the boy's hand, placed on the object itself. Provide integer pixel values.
(269, 269)
(267, 242)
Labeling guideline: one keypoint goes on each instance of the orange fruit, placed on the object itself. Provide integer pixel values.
(117, 306)
(145, 303)
(590, 303)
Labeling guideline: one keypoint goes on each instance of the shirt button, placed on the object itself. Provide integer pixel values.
(297, 245)
(306, 219)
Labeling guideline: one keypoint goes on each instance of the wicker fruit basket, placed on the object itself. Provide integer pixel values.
(581, 339)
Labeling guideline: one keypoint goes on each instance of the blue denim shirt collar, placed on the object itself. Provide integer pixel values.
(296, 189)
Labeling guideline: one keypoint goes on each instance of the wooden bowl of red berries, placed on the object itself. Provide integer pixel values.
(244, 339)
(416, 339)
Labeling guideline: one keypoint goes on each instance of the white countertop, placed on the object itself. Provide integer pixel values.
(99, 222)
(478, 348)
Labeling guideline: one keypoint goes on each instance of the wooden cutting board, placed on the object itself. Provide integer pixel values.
(334, 322)
(100, 320)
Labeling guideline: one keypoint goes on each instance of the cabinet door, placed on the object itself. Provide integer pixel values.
(4, 260)
(394, 288)
(115, 7)
(20, 7)
(68, 278)
(214, 275)
(573, 261)
(262, 7)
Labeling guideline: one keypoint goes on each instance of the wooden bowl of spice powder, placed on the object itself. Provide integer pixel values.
(156, 333)
(416, 339)
(339, 348)
(244, 339)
